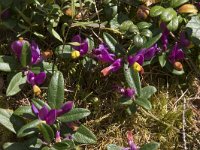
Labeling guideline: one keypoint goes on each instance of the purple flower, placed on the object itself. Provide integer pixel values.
(183, 41)
(49, 116)
(176, 54)
(132, 145)
(16, 47)
(35, 53)
(113, 67)
(34, 79)
(65, 108)
(102, 54)
(138, 57)
(58, 138)
(165, 35)
(83, 48)
(149, 53)
(127, 92)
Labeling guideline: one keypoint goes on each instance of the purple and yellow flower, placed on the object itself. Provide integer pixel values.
(35, 80)
(138, 57)
(165, 35)
(175, 56)
(44, 114)
(17, 46)
(116, 65)
(80, 50)
(127, 92)
(102, 54)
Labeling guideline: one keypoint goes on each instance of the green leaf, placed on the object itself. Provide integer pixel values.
(39, 103)
(125, 26)
(176, 72)
(143, 25)
(55, 93)
(150, 146)
(177, 3)
(54, 33)
(132, 78)
(114, 46)
(113, 147)
(47, 67)
(74, 114)
(63, 51)
(67, 144)
(29, 128)
(47, 132)
(138, 41)
(25, 55)
(16, 84)
(147, 33)
(133, 29)
(14, 146)
(8, 63)
(128, 76)
(156, 11)
(125, 101)
(193, 29)
(24, 111)
(152, 41)
(84, 135)
(5, 115)
(162, 59)
(90, 41)
(145, 103)
(147, 92)
(168, 14)
(26, 19)
(173, 24)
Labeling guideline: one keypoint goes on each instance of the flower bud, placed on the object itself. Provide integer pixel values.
(178, 66)
(58, 139)
(75, 54)
(47, 54)
(68, 12)
(36, 90)
(142, 12)
(188, 8)
(137, 67)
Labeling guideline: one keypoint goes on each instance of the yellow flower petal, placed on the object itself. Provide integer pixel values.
(75, 54)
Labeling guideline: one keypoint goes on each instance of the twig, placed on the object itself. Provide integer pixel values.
(183, 94)
(184, 122)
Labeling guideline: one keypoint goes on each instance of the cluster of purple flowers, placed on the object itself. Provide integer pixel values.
(36, 58)
(176, 54)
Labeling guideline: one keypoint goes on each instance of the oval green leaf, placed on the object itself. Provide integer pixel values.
(16, 84)
(145, 103)
(156, 11)
(84, 135)
(55, 93)
(74, 114)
